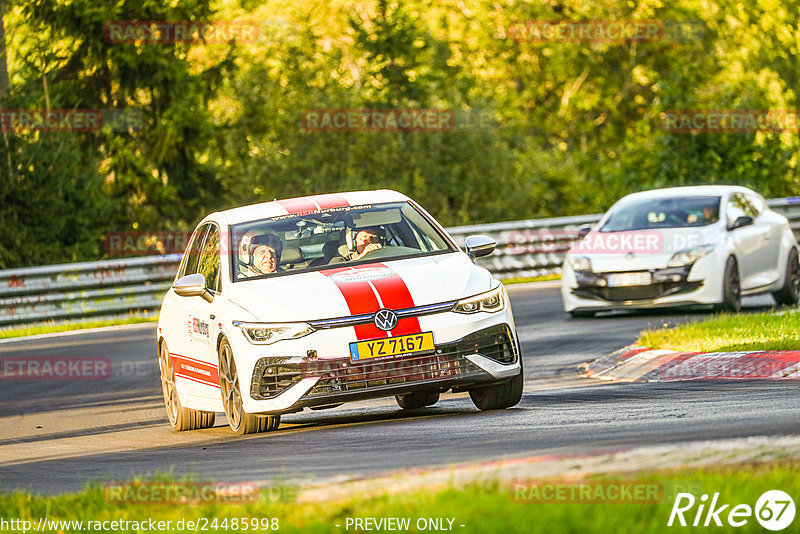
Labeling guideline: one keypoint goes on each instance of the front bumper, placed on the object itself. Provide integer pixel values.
(289, 384)
(694, 285)
(666, 282)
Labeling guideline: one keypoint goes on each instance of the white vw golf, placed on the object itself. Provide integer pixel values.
(684, 246)
(316, 301)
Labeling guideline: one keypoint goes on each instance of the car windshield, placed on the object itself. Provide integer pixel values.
(671, 212)
(336, 237)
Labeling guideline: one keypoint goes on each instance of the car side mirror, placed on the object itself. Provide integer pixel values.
(583, 230)
(479, 245)
(744, 220)
(193, 285)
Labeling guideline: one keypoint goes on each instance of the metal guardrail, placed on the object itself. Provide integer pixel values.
(78, 290)
(118, 287)
(529, 248)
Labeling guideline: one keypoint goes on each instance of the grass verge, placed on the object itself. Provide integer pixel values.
(49, 328)
(524, 280)
(730, 332)
(481, 508)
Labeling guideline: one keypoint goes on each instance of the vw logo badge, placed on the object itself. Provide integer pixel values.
(629, 255)
(385, 319)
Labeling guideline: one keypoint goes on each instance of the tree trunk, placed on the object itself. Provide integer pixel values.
(3, 62)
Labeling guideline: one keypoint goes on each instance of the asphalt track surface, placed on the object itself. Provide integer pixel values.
(57, 435)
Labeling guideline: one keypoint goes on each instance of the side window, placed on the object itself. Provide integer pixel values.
(737, 207)
(189, 265)
(756, 205)
(208, 265)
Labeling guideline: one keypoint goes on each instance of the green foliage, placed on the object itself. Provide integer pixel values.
(567, 126)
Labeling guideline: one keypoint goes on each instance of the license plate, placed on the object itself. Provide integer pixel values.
(630, 279)
(392, 346)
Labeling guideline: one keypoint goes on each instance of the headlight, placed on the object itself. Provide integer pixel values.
(689, 256)
(580, 263)
(269, 333)
(491, 301)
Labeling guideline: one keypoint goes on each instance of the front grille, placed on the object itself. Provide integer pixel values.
(649, 292)
(392, 372)
(272, 376)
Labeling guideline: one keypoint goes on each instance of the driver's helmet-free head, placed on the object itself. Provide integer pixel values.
(271, 240)
(353, 232)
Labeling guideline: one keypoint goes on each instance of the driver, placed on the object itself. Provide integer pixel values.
(710, 213)
(367, 240)
(261, 254)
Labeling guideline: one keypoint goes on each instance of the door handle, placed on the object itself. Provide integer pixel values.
(767, 236)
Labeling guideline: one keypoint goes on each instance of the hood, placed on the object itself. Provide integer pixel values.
(343, 291)
(640, 249)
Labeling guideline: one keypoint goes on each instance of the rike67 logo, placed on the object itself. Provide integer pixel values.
(774, 510)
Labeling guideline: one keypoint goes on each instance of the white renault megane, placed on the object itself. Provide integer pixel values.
(317, 301)
(702, 245)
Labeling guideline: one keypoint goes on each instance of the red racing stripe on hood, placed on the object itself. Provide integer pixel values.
(360, 299)
(395, 295)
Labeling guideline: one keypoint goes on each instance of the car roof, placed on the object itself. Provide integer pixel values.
(307, 204)
(689, 191)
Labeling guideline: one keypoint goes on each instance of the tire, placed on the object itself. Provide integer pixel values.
(731, 288)
(581, 314)
(501, 396)
(180, 418)
(239, 421)
(418, 399)
(789, 294)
